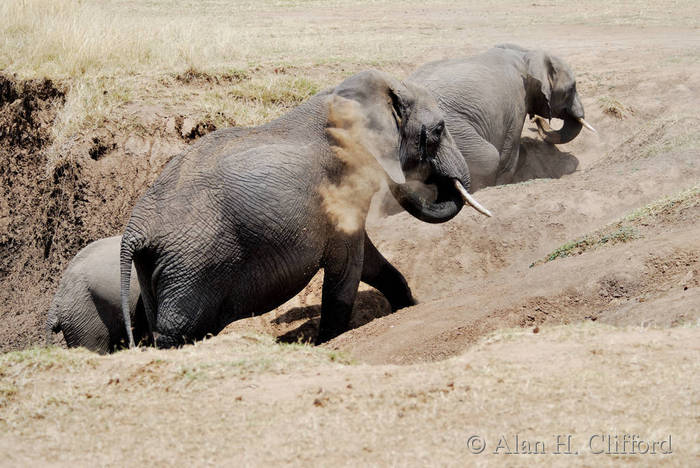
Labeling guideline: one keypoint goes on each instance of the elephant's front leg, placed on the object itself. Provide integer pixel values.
(510, 155)
(342, 268)
(383, 276)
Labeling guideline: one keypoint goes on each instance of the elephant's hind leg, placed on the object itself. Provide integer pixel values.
(383, 276)
(187, 309)
(87, 329)
(342, 268)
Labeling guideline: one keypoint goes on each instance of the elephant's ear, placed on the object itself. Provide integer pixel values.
(383, 104)
(540, 73)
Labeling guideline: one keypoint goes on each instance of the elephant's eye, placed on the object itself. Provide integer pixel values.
(439, 128)
(423, 143)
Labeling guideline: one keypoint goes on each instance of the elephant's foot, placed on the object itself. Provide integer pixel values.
(395, 288)
(168, 341)
(403, 301)
(325, 335)
(335, 320)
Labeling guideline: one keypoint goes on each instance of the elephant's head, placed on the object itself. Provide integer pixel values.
(405, 131)
(551, 93)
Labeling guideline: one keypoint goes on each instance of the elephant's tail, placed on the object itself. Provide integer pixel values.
(130, 244)
(53, 322)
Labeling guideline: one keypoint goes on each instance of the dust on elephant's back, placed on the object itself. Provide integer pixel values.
(346, 200)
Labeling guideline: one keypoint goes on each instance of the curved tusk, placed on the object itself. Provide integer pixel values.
(587, 125)
(469, 200)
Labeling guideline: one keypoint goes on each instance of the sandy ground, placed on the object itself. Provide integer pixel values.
(605, 342)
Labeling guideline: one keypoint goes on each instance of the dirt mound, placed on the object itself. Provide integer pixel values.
(27, 111)
(33, 202)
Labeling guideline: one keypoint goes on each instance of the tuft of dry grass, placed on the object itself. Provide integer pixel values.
(614, 108)
(676, 142)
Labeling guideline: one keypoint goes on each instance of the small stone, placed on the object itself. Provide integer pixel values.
(188, 127)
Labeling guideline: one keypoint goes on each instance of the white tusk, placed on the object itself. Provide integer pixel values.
(469, 200)
(587, 125)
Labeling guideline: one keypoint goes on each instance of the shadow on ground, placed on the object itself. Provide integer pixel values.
(369, 305)
(541, 160)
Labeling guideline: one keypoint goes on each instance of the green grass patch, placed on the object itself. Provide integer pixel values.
(577, 247)
(686, 199)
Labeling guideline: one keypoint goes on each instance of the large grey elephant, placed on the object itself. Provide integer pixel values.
(485, 99)
(86, 306)
(240, 222)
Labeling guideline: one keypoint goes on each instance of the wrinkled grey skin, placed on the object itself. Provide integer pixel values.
(235, 225)
(486, 98)
(86, 306)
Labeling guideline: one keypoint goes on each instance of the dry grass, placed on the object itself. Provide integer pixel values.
(244, 400)
(613, 107)
(112, 52)
(673, 209)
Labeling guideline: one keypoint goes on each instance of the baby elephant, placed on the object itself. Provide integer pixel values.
(87, 307)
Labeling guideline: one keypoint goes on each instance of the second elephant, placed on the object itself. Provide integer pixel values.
(486, 98)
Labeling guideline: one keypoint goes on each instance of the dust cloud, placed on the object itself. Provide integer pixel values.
(347, 200)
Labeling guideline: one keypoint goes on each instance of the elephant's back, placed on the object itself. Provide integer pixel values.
(253, 198)
(479, 72)
(92, 277)
(97, 261)
(484, 91)
(244, 147)
(273, 188)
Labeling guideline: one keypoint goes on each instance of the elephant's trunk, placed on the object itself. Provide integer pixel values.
(571, 128)
(438, 211)
(449, 173)
(573, 121)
